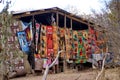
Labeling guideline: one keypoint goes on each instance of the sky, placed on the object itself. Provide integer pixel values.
(84, 6)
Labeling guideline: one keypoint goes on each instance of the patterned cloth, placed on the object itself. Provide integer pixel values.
(68, 42)
(37, 35)
(61, 36)
(43, 41)
(49, 34)
(55, 40)
(23, 41)
(28, 31)
(82, 46)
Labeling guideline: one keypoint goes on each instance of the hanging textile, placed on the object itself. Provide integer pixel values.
(23, 41)
(82, 46)
(75, 43)
(43, 41)
(62, 40)
(68, 40)
(37, 35)
(29, 33)
(24, 25)
(49, 33)
(55, 40)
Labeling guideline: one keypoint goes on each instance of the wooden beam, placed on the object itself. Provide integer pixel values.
(25, 14)
(72, 17)
(76, 19)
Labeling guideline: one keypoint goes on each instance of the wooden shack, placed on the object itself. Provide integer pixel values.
(61, 30)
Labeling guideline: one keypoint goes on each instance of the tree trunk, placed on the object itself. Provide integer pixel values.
(52, 64)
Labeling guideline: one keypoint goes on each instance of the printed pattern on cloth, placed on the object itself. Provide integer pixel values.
(49, 34)
(37, 35)
(55, 40)
(43, 41)
(82, 46)
(68, 42)
(61, 35)
(75, 44)
(28, 31)
(23, 41)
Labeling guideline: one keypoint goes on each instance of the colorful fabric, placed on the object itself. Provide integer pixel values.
(45, 62)
(43, 41)
(55, 40)
(29, 33)
(68, 42)
(49, 34)
(62, 40)
(24, 25)
(75, 43)
(37, 36)
(82, 46)
(23, 41)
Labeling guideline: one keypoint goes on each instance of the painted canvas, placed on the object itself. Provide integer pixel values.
(23, 41)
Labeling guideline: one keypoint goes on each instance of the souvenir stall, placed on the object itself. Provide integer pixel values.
(54, 29)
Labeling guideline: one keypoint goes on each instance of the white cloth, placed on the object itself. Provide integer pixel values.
(97, 57)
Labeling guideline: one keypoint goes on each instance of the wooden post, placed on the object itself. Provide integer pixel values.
(71, 24)
(65, 66)
(57, 25)
(57, 19)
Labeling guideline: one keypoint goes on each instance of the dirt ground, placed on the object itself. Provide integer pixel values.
(110, 74)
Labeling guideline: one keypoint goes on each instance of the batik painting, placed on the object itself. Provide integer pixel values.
(55, 40)
(101, 41)
(23, 41)
(75, 44)
(43, 41)
(94, 41)
(29, 33)
(49, 33)
(68, 40)
(62, 40)
(82, 45)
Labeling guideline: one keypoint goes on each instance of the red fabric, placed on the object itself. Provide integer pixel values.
(28, 34)
(91, 30)
(49, 31)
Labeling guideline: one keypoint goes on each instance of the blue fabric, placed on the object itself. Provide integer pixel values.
(23, 41)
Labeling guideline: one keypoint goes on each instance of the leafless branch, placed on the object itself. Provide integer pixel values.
(49, 66)
(103, 63)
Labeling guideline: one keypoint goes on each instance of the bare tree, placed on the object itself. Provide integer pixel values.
(49, 66)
